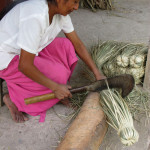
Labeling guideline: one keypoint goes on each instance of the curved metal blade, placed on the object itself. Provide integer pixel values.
(125, 82)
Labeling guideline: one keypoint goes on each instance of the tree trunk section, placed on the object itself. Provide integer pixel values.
(88, 129)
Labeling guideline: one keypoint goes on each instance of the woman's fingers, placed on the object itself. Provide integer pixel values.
(69, 87)
(69, 94)
(62, 91)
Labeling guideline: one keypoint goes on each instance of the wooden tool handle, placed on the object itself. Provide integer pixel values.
(40, 98)
(49, 96)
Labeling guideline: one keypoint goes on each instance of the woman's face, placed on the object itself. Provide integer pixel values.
(67, 6)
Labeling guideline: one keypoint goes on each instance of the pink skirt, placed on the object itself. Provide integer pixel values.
(57, 61)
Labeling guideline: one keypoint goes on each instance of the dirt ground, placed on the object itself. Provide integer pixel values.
(129, 22)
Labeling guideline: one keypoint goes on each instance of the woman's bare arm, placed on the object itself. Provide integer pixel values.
(84, 54)
(27, 67)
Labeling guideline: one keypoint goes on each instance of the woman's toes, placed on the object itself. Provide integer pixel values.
(17, 116)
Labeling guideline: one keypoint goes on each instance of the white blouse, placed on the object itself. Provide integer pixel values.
(27, 27)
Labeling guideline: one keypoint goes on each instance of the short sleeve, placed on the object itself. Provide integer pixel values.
(29, 35)
(67, 25)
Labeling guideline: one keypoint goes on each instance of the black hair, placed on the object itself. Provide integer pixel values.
(16, 2)
(9, 7)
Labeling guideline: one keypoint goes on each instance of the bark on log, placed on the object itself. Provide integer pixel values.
(88, 129)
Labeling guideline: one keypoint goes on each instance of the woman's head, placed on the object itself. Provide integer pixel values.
(65, 7)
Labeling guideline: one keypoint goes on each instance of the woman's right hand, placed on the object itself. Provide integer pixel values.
(61, 91)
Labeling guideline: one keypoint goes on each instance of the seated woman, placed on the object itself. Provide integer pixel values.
(32, 60)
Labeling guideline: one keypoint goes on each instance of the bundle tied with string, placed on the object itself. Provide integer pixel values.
(119, 116)
(97, 4)
(115, 58)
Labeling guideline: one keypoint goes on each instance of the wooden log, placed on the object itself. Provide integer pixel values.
(88, 129)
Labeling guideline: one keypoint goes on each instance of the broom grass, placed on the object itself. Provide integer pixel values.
(97, 4)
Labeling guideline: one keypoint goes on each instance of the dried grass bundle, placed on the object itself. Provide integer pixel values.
(119, 116)
(96, 4)
(115, 58)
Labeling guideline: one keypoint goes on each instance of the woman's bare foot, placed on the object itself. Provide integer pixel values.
(17, 116)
